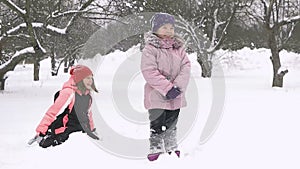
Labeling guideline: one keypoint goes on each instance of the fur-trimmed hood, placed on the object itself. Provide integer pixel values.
(152, 39)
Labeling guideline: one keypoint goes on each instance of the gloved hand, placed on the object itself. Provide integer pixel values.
(98, 135)
(93, 134)
(173, 93)
(37, 138)
(48, 141)
(53, 139)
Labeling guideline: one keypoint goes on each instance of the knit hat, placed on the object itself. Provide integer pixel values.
(80, 72)
(159, 19)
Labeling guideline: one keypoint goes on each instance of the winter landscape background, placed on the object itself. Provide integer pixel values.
(250, 45)
(259, 128)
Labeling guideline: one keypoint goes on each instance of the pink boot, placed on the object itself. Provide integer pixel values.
(153, 157)
(177, 152)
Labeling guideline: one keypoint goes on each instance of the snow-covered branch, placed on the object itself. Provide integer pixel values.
(290, 32)
(75, 13)
(217, 24)
(57, 14)
(216, 18)
(189, 28)
(17, 55)
(39, 43)
(80, 8)
(21, 35)
(57, 30)
(282, 71)
(215, 42)
(23, 25)
(286, 37)
(289, 20)
(34, 25)
(14, 7)
(255, 12)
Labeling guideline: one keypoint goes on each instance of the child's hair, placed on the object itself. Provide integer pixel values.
(79, 72)
(81, 87)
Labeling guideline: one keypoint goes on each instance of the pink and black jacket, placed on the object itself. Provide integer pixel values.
(79, 105)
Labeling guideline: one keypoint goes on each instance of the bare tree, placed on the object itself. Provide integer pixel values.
(207, 29)
(203, 23)
(279, 18)
(35, 20)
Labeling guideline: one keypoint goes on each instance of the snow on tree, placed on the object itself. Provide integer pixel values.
(203, 23)
(206, 27)
(279, 18)
(37, 24)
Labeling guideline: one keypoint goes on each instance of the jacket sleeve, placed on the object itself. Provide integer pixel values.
(182, 79)
(62, 101)
(151, 73)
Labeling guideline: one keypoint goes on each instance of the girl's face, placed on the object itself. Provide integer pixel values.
(166, 31)
(88, 81)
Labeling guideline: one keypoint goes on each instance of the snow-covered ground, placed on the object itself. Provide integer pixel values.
(259, 127)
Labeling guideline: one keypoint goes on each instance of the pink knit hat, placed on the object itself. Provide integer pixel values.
(80, 72)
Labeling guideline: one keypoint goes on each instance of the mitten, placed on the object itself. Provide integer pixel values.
(37, 138)
(92, 135)
(89, 132)
(97, 134)
(49, 140)
(173, 93)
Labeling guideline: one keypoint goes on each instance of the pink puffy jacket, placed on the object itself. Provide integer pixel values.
(66, 98)
(164, 64)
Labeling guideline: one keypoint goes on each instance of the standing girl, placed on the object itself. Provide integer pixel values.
(73, 107)
(166, 69)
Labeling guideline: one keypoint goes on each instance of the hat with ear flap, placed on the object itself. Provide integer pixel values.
(79, 72)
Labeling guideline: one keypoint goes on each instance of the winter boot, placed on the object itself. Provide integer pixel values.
(177, 152)
(153, 157)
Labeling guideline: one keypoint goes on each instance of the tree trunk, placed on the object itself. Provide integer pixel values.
(275, 59)
(1, 55)
(37, 59)
(36, 70)
(9, 67)
(205, 64)
(53, 62)
(2, 81)
(66, 68)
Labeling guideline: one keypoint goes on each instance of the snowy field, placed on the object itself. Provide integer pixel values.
(259, 127)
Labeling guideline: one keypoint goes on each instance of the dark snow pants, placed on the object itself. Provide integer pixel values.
(52, 139)
(163, 130)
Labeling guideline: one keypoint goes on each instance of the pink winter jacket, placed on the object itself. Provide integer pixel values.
(66, 98)
(164, 64)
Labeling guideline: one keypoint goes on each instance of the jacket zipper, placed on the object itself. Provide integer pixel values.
(171, 61)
